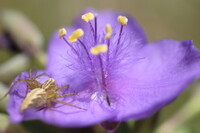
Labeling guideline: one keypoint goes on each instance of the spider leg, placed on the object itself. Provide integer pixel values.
(65, 86)
(65, 95)
(68, 104)
(19, 80)
(30, 73)
(42, 74)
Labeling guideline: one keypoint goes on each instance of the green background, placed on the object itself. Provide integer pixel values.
(177, 19)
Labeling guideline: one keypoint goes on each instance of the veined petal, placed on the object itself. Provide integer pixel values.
(166, 68)
(137, 79)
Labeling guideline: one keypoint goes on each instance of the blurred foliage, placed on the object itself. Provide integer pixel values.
(177, 19)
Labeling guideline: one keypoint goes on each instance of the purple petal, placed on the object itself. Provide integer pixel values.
(139, 79)
(166, 68)
(59, 114)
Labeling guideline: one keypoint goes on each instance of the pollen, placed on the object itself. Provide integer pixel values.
(87, 17)
(62, 32)
(76, 34)
(101, 48)
(122, 20)
(108, 31)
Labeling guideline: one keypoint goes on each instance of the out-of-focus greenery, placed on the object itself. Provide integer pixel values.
(176, 19)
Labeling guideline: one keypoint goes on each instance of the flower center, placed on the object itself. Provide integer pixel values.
(96, 53)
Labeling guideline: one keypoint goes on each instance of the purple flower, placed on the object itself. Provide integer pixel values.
(117, 75)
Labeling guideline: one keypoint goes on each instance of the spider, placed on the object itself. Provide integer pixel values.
(49, 92)
(41, 94)
(32, 83)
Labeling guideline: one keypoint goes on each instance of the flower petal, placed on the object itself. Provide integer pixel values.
(166, 68)
(141, 78)
(59, 115)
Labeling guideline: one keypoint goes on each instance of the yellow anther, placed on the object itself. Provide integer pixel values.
(62, 32)
(101, 48)
(76, 34)
(87, 17)
(122, 20)
(108, 31)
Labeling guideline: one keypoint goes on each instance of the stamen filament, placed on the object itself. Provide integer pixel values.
(71, 46)
(95, 29)
(85, 48)
(118, 41)
(92, 28)
(108, 30)
(108, 52)
(103, 79)
(102, 71)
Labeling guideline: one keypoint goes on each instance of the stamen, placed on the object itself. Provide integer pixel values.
(87, 17)
(122, 20)
(85, 48)
(62, 32)
(108, 31)
(101, 48)
(75, 35)
(92, 28)
(108, 52)
(120, 34)
(95, 30)
(108, 100)
(71, 46)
